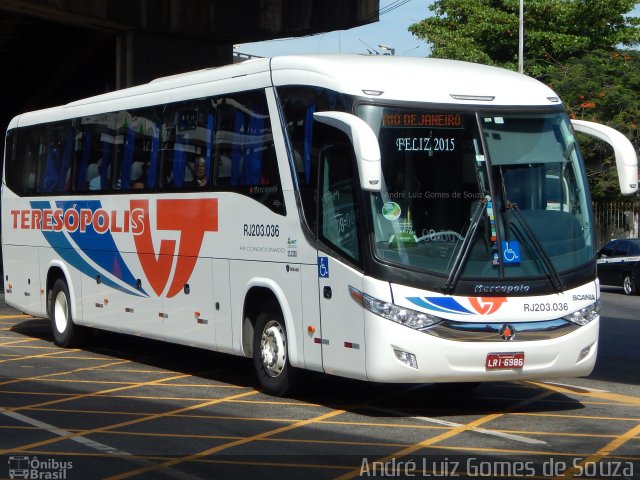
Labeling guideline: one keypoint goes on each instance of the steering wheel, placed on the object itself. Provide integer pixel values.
(438, 236)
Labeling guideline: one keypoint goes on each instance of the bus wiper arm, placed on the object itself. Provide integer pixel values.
(463, 253)
(554, 276)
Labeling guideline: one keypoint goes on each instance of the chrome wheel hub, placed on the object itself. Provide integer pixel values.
(273, 348)
(60, 310)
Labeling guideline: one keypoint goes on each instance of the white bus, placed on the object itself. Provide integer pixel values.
(380, 218)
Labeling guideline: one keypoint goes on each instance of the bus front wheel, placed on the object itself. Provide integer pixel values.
(65, 332)
(271, 354)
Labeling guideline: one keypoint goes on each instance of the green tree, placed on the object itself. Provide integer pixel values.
(486, 31)
(601, 86)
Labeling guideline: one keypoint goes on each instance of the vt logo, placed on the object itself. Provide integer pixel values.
(486, 305)
(191, 219)
(481, 305)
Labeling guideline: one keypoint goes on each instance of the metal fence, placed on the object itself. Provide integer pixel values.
(615, 220)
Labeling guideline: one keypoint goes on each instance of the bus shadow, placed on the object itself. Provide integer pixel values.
(360, 397)
(432, 400)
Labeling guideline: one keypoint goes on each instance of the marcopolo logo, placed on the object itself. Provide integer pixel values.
(21, 467)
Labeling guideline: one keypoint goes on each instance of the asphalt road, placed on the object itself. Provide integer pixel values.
(125, 407)
(619, 350)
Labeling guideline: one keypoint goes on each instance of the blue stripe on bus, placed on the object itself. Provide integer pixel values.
(103, 250)
(440, 304)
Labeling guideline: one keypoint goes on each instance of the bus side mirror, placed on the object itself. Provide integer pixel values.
(626, 158)
(365, 146)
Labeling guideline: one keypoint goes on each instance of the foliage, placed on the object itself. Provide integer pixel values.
(601, 86)
(575, 46)
(486, 31)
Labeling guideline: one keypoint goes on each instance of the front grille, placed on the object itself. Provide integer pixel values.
(490, 332)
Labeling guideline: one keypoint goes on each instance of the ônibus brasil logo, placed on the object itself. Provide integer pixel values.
(71, 227)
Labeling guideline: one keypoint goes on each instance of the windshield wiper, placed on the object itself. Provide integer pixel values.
(554, 277)
(465, 248)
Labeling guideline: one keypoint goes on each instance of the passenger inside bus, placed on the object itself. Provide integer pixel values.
(93, 175)
(141, 180)
(200, 172)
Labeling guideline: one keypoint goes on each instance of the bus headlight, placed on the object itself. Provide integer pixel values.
(584, 315)
(403, 316)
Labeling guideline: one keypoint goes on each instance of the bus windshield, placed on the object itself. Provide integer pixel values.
(495, 195)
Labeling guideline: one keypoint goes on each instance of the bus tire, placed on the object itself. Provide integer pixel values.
(271, 354)
(65, 333)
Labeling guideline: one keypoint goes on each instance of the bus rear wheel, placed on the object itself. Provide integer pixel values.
(271, 354)
(65, 332)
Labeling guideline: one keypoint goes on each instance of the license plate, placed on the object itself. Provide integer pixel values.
(504, 361)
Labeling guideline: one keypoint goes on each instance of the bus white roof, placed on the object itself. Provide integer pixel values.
(381, 77)
(414, 79)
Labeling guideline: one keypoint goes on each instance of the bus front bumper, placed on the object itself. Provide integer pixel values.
(395, 353)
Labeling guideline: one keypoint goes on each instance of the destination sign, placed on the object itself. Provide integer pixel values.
(422, 120)
(427, 144)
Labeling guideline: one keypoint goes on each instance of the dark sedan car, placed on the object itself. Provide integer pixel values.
(619, 264)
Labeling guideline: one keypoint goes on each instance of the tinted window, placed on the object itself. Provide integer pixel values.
(622, 249)
(186, 146)
(96, 144)
(608, 249)
(245, 157)
(338, 225)
(22, 154)
(299, 104)
(222, 143)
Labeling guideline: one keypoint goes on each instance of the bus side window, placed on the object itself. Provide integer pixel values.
(246, 158)
(338, 215)
(84, 139)
(96, 143)
(123, 160)
(138, 155)
(22, 164)
(186, 140)
(57, 146)
(299, 103)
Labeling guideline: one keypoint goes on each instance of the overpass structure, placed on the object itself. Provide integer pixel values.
(55, 51)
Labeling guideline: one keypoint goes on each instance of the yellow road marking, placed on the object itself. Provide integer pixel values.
(198, 456)
(602, 453)
(22, 340)
(95, 394)
(225, 446)
(581, 417)
(615, 397)
(97, 359)
(18, 316)
(67, 372)
(40, 347)
(450, 433)
(127, 423)
(29, 357)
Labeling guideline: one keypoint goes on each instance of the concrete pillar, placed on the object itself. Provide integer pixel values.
(141, 57)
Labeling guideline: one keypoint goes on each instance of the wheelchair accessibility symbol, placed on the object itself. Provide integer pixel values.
(323, 267)
(511, 252)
